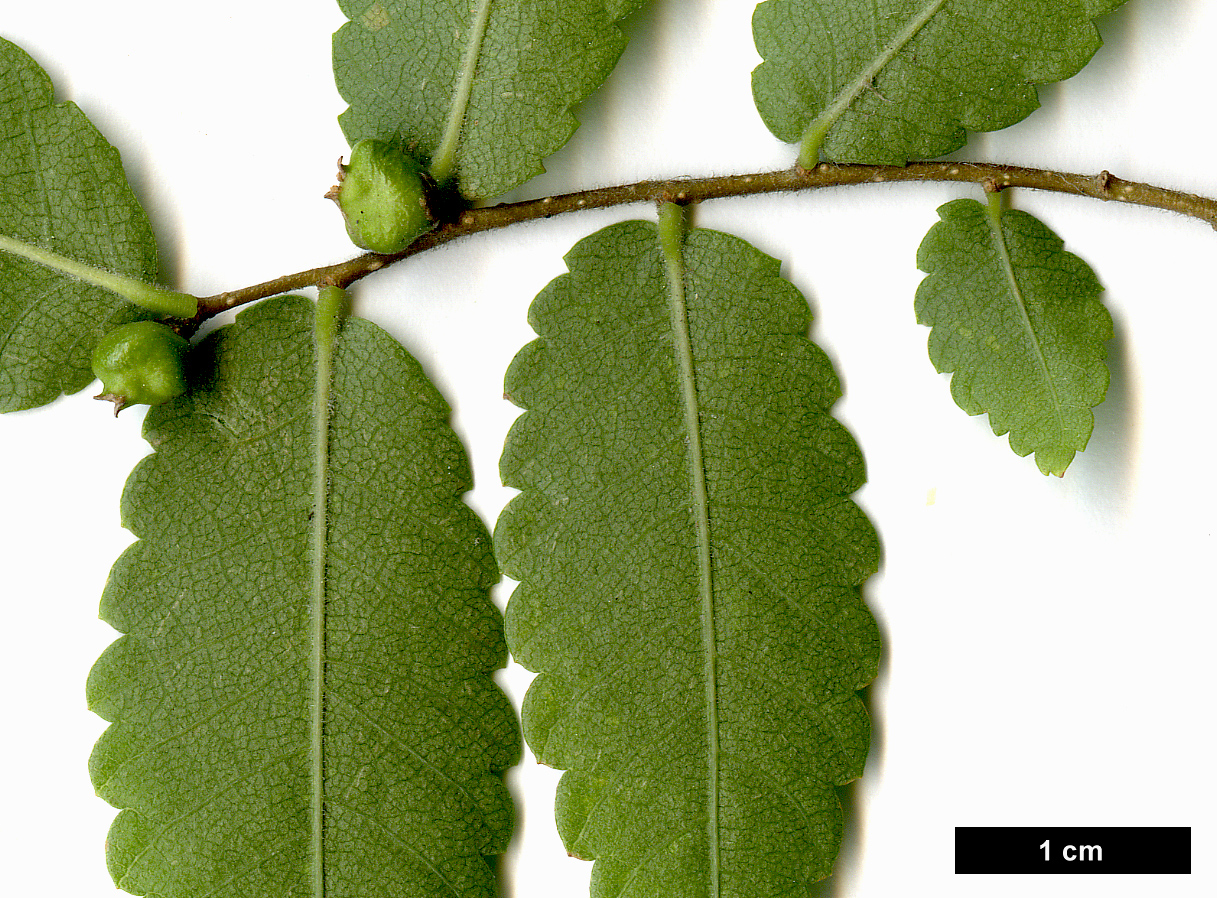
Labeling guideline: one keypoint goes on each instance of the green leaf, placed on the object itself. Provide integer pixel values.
(1019, 322)
(478, 90)
(302, 703)
(619, 9)
(690, 565)
(62, 189)
(888, 81)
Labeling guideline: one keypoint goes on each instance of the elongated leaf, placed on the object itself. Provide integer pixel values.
(62, 188)
(885, 81)
(479, 90)
(690, 567)
(303, 709)
(1019, 322)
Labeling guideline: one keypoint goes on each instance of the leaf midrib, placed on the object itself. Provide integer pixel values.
(443, 163)
(1016, 293)
(672, 232)
(814, 136)
(327, 313)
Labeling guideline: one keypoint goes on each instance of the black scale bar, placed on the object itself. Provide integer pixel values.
(1073, 849)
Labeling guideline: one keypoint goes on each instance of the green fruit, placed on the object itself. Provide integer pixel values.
(140, 363)
(383, 196)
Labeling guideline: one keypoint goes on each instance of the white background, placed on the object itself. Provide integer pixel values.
(1046, 640)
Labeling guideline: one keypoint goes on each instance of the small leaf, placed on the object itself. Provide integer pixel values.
(62, 188)
(478, 90)
(690, 566)
(302, 703)
(1019, 322)
(888, 81)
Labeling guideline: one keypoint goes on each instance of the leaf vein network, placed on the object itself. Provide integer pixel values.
(402, 843)
(653, 737)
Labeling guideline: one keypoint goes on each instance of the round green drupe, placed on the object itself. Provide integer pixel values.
(383, 197)
(140, 363)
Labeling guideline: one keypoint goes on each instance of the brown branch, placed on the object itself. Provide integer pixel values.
(1103, 186)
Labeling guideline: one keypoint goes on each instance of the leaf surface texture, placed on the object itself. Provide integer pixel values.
(62, 188)
(479, 90)
(1019, 322)
(690, 565)
(250, 698)
(886, 81)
